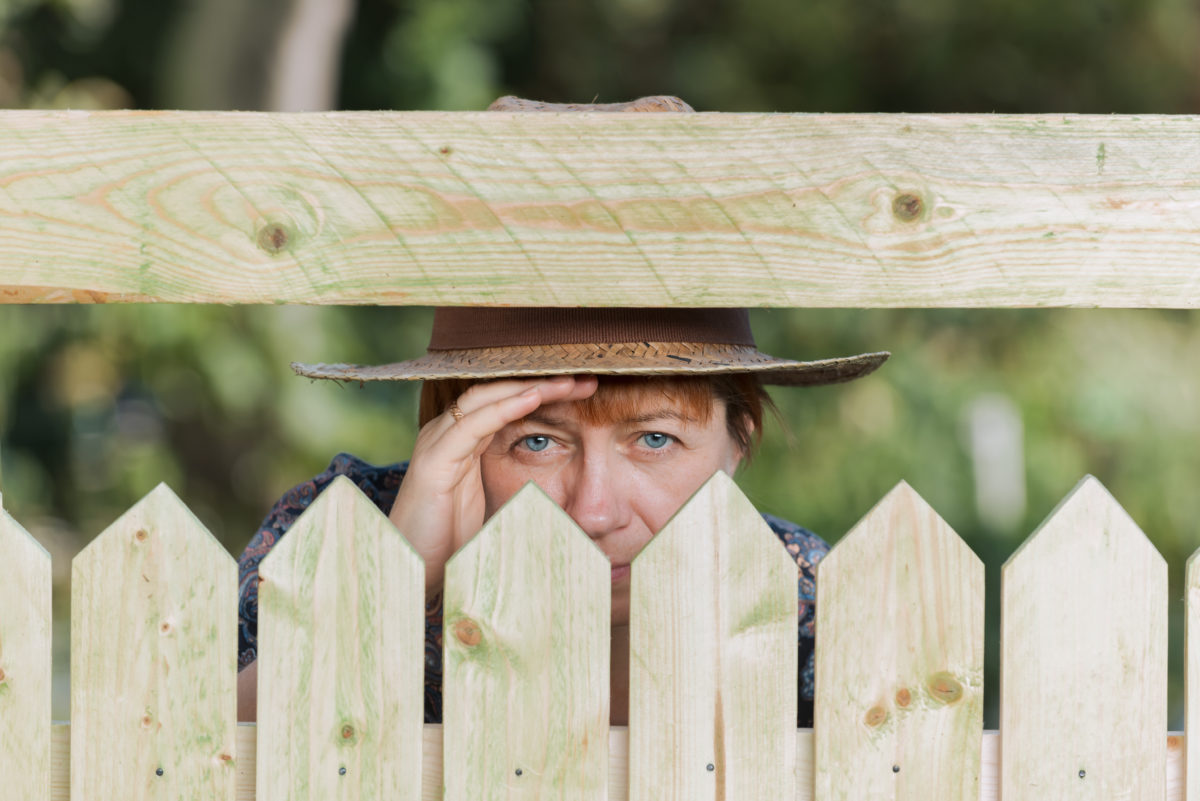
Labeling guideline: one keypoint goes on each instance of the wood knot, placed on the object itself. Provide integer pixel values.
(907, 207)
(1174, 742)
(347, 732)
(875, 716)
(467, 632)
(444, 150)
(273, 238)
(225, 758)
(3, 675)
(945, 688)
(147, 721)
(165, 628)
(903, 697)
(141, 535)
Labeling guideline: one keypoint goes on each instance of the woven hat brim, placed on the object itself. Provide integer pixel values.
(634, 359)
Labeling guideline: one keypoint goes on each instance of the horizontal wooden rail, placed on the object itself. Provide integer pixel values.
(618, 769)
(431, 208)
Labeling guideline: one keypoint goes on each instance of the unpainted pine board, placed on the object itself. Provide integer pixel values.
(526, 650)
(1192, 674)
(435, 208)
(1083, 664)
(154, 659)
(341, 656)
(618, 764)
(713, 659)
(899, 684)
(26, 618)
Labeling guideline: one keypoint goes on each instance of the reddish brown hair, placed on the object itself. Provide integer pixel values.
(618, 397)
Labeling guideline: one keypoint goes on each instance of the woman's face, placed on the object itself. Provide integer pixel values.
(619, 480)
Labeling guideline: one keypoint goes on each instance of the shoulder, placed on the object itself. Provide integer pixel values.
(378, 482)
(805, 547)
(800, 541)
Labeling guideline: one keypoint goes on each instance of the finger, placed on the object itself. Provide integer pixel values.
(461, 439)
(484, 393)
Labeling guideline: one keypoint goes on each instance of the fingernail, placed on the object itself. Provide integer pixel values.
(529, 393)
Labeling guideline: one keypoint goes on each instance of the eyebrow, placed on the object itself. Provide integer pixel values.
(540, 416)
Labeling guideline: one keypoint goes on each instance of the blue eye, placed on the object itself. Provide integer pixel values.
(656, 440)
(537, 442)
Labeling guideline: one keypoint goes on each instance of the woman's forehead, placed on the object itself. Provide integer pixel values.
(639, 400)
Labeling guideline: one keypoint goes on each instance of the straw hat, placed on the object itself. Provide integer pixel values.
(484, 343)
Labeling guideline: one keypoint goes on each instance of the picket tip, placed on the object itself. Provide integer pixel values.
(344, 500)
(530, 498)
(159, 501)
(1089, 493)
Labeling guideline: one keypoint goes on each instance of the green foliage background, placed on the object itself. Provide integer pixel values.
(98, 404)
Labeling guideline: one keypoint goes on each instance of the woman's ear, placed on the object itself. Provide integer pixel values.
(737, 454)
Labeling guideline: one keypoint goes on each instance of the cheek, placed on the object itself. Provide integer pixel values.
(500, 483)
(661, 494)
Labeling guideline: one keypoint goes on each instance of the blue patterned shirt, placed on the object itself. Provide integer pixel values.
(380, 485)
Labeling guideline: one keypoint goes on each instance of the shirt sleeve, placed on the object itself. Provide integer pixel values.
(807, 549)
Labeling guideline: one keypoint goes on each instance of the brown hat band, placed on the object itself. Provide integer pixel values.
(462, 328)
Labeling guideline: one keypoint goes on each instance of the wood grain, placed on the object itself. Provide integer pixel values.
(26, 618)
(526, 649)
(713, 661)
(1083, 664)
(154, 659)
(899, 704)
(880, 210)
(341, 656)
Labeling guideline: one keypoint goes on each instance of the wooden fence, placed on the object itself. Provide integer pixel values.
(586, 209)
(526, 662)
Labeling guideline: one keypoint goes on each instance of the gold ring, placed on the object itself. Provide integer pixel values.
(456, 412)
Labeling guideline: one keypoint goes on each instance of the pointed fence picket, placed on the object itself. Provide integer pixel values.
(899, 707)
(153, 659)
(1083, 692)
(1192, 672)
(713, 656)
(25, 623)
(527, 662)
(341, 653)
(526, 637)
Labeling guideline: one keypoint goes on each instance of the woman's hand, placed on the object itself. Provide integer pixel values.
(440, 504)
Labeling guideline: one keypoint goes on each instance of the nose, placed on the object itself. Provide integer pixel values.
(594, 496)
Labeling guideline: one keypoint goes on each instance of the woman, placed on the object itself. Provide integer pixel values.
(619, 415)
